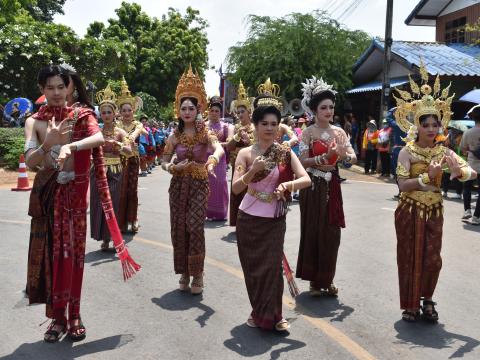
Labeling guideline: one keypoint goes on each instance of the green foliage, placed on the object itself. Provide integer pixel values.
(12, 141)
(150, 105)
(167, 113)
(160, 49)
(294, 47)
(43, 10)
(27, 46)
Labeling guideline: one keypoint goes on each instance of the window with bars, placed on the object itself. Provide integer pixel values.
(455, 30)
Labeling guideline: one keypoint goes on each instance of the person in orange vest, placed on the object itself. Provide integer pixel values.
(383, 147)
(369, 145)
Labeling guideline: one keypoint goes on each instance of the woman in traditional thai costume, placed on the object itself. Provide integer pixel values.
(127, 217)
(265, 171)
(321, 205)
(189, 185)
(218, 199)
(116, 143)
(243, 136)
(419, 215)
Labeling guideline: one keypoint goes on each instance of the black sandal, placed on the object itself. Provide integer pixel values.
(73, 331)
(410, 316)
(51, 335)
(429, 314)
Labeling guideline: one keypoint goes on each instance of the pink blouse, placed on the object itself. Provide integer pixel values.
(254, 206)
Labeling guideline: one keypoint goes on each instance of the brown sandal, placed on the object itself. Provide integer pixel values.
(184, 282)
(51, 335)
(77, 332)
(197, 285)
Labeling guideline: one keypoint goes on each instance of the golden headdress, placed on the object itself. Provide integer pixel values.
(242, 99)
(125, 96)
(423, 101)
(269, 92)
(190, 85)
(107, 97)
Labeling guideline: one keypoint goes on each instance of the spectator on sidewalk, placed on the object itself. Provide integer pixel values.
(453, 142)
(383, 147)
(369, 145)
(470, 145)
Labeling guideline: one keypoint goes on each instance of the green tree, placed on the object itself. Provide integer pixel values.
(150, 105)
(42, 10)
(294, 47)
(159, 49)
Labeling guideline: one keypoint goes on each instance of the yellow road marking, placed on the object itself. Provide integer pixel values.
(331, 331)
(23, 222)
(370, 182)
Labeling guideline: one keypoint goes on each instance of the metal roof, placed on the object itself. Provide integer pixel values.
(377, 85)
(450, 60)
(426, 12)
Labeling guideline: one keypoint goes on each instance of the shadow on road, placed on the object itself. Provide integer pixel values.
(177, 300)
(231, 237)
(215, 224)
(66, 350)
(99, 257)
(470, 227)
(422, 334)
(322, 307)
(249, 342)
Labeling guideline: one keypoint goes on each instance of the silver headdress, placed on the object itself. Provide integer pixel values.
(67, 67)
(313, 87)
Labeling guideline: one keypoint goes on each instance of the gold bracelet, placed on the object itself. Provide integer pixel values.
(243, 180)
(425, 178)
(212, 159)
(236, 138)
(466, 174)
(293, 186)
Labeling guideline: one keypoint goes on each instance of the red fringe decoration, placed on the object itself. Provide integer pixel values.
(292, 285)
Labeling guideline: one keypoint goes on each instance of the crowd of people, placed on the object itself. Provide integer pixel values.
(271, 162)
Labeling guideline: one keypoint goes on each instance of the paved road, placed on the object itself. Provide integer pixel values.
(147, 318)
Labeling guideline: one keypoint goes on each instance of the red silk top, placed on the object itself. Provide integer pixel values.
(320, 147)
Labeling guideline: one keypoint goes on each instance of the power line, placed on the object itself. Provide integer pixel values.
(349, 10)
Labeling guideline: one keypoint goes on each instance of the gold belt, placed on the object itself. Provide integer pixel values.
(196, 171)
(111, 161)
(261, 195)
(427, 198)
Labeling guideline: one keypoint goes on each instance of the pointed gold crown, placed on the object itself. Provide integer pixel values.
(190, 85)
(422, 101)
(125, 96)
(269, 92)
(107, 97)
(242, 98)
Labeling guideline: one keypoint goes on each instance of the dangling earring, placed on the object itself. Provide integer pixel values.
(75, 94)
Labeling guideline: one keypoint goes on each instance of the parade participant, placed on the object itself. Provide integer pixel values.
(419, 215)
(127, 217)
(265, 170)
(58, 204)
(243, 135)
(116, 143)
(76, 92)
(270, 89)
(218, 198)
(369, 145)
(321, 205)
(383, 147)
(143, 143)
(160, 135)
(188, 190)
(470, 145)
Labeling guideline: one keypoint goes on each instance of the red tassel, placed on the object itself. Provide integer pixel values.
(292, 285)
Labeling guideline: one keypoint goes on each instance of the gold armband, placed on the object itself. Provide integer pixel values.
(425, 178)
(466, 174)
(236, 138)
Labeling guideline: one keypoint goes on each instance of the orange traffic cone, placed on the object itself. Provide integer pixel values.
(22, 181)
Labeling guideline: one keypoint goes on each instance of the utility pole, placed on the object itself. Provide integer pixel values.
(386, 61)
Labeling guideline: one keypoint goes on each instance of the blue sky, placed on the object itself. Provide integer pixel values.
(227, 19)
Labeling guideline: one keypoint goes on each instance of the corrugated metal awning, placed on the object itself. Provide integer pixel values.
(377, 85)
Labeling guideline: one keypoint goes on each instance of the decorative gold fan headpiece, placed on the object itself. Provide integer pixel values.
(270, 91)
(190, 85)
(242, 99)
(422, 101)
(125, 96)
(107, 97)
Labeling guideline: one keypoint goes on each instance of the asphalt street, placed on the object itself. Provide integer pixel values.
(148, 318)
